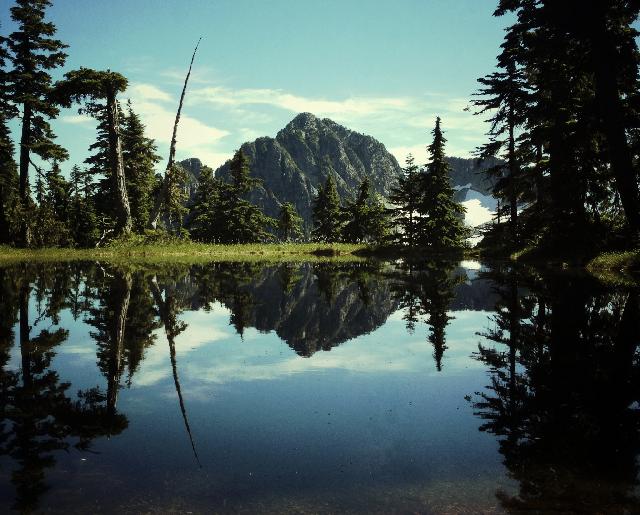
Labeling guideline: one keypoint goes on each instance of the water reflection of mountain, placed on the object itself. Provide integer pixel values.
(323, 308)
(316, 307)
(475, 295)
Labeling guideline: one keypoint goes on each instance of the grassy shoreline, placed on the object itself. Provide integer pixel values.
(188, 252)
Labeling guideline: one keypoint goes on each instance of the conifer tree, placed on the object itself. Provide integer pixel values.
(98, 169)
(139, 157)
(326, 212)
(8, 170)
(83, 224)
(34, 53)
(222, 213)
(49, 217)
(505, 95)
(99, 90)
(440, 224)
(289, 222)
(404, 198)
(366, 218)
(246, 223)
(205, 217)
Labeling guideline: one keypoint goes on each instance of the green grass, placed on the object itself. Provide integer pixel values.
(618, 268)
(190, 252)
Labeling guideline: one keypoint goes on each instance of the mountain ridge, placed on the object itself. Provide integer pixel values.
(293, 164)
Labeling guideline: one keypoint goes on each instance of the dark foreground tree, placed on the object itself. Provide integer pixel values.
(34, 53)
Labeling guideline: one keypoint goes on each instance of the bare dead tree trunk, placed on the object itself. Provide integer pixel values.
(163, 191)
(123, 210)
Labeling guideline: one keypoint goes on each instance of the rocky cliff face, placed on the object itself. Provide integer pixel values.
(300, 158)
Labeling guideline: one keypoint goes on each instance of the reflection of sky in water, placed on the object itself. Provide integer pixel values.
(372, 413)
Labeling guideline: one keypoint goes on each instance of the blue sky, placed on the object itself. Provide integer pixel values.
(384, 68)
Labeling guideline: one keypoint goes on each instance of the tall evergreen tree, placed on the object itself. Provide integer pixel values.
(99, 90)
(139, 157)
(98, 169)
(326, 212)
(8, 169)
(504, 94)
(440, 222)
(34, 53)
(575, 151)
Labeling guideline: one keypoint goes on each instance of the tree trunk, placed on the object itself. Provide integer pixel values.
(25, 142)
(123, 210)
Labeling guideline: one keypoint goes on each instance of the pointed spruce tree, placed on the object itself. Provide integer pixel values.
(505, 97)
(326, 212)
(246, 223)
(83, 224)
(440, 221)
(139, 157)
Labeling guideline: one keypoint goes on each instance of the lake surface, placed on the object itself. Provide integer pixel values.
(316, 388)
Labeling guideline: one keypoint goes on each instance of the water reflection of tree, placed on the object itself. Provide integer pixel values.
(38, 415)
(564, 377)
(426, 292)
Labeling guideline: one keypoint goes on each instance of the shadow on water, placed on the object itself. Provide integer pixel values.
(563, 397)
(560, 351)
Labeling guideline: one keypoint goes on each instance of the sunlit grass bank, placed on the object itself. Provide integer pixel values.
(190, 251)
(617, 267)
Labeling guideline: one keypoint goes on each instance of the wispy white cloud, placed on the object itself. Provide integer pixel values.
(352, 106)
(195, 138)
(401, 122)
(77, 119)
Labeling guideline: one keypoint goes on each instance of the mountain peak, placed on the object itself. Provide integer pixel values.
(298, 161)
(302, 121)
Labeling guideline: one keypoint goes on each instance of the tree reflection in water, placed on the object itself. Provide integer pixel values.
(563, 397)
(562, 357)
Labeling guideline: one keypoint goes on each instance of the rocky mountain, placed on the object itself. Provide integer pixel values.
(299, 159)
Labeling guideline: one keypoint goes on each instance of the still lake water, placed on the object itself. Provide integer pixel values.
(316, 387)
